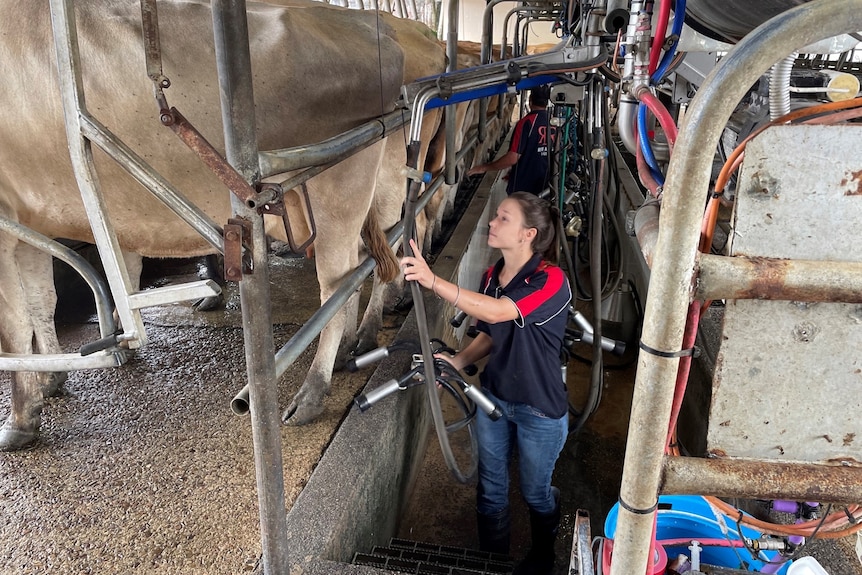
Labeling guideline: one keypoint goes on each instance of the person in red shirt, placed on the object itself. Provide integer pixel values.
(532, 139)
(522, 312)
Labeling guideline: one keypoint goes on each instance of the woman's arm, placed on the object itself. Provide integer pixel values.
(478, 305)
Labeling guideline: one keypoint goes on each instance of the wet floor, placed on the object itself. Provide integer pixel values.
(144, 469)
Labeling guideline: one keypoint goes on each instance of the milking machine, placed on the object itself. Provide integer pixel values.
(467, 397)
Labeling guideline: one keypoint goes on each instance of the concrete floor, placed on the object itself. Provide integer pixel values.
(144, 469)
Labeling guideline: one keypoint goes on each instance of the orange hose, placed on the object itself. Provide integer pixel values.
(804, 529)
(734, 160)
(835, 525)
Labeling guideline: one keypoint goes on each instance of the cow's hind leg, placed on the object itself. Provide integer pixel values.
(211, 269)
(307, 404)
(16, 336)
(336, 253)
(36, 269)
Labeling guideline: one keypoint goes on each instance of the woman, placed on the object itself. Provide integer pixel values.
(522, 311)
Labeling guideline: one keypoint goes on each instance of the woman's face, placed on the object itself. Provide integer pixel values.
(507, 229)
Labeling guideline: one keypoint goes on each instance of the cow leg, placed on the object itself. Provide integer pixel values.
(37, 276)
(16, 336)
(211, 270)
(349, 335)
(372, 318)
(307, 404)
(339, 223)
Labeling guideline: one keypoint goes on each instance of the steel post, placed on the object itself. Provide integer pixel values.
(233, 59)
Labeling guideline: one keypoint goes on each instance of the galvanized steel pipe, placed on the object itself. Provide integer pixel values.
(449, 113)
(233, 60)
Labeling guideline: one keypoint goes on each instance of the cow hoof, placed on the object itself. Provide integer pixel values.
(209, 303)
(364, 346)
(298, 414)
(12, 439)
(53, 382)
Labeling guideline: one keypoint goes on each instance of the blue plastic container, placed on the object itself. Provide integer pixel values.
(691, 517)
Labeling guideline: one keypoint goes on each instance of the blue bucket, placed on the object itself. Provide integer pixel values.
(691, 517)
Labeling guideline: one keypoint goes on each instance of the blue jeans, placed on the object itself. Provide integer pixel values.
(539, 439)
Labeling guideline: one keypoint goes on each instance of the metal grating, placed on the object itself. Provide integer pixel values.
(407, 556)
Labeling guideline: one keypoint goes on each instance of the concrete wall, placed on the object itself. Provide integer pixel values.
(358, 491)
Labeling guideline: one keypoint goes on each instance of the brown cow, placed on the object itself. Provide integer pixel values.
(318, 71)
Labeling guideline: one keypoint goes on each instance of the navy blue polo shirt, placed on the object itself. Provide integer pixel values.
(531, 139)
(524, 363)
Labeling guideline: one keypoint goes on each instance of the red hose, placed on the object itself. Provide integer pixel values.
(664, 118)
(689, 335)
(660, 32)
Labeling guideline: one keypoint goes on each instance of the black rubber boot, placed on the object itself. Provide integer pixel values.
(494, 532)
(543, 532)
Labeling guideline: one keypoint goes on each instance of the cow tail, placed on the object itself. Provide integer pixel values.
(375, 240)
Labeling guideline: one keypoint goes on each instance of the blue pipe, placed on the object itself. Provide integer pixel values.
(676, 30)
(643, 140)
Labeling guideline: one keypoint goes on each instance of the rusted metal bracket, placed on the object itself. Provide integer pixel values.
(279, 209)
(237, 232)
(235, 182)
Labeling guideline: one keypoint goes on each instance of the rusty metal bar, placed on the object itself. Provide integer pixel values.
(762, 479)
(233, 59)
(739, 277)
(212, 158)
(675, 257)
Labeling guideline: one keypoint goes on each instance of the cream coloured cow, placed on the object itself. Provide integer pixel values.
(466, 120)
(316, 74)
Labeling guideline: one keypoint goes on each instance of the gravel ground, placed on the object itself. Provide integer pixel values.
(144, 469)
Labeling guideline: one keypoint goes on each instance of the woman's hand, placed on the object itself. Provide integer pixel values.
(450, 359)
(416, 268)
